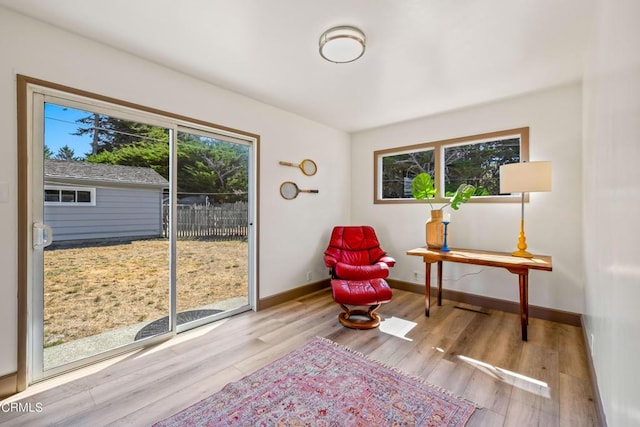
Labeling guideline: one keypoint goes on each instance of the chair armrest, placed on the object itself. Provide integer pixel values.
(388, 260)
(330, 261)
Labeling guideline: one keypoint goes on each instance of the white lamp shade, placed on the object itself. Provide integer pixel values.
(342, 44)
(527, 177)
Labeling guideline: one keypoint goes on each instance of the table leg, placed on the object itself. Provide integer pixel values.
(439, 282)
(427, 288)
(523, 280)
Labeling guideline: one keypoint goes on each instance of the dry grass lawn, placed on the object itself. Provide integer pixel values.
(90, 290)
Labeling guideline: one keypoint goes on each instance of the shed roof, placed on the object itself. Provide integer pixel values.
(85, 171)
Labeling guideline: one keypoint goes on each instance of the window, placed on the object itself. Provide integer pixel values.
(398, 169)
(79, 196)
(472, 160)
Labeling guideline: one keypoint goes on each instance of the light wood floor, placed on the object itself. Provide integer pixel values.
(481, 357)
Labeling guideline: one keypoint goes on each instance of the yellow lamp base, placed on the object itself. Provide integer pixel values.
(522, 244)
(521, 253)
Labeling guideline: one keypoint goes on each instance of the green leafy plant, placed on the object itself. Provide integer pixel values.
(424, 187)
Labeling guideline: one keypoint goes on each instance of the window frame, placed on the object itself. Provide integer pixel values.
(438, 148)
(60, 188)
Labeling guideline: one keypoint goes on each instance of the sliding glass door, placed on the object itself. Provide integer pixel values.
(99, 231)
(212, 226)
(140, 229)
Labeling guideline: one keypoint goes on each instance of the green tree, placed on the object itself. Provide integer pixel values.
(66, 153)
(206, 166)
(143, 154)
(212, 167)
(108, 133)
(399, 170)
(47, 152)
(479, 164)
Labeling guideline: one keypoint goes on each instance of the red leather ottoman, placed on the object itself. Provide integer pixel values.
(371, 292)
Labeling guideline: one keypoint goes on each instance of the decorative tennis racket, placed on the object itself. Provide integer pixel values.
(307, 166)
(289, 190)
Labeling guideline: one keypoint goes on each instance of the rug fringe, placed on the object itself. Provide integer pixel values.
(399, 371)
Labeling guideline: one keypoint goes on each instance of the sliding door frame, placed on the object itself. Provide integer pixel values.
(25, 88)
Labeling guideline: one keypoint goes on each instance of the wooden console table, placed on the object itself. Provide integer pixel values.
(515, 265)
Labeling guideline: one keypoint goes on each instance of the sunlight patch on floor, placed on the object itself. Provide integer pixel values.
(183, 337)
(397, 327)
(68, 377)
(515, 379)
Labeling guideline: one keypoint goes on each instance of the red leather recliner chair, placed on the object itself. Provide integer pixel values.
(358, 268)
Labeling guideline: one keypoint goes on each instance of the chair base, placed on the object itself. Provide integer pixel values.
(359, 293)
(371, 318)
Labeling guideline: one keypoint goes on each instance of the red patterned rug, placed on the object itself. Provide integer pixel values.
(325, 384)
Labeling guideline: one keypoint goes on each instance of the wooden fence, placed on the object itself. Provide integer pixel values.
(216, 222)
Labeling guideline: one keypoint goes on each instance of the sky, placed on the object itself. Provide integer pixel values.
(59, 124)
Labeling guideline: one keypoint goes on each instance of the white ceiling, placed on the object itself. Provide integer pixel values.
(423, 56)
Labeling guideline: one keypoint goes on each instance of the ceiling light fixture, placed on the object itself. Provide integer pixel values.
(342, 44)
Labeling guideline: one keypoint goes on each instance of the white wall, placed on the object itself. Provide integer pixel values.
(612, 206)
(291, 232)
(552, 220)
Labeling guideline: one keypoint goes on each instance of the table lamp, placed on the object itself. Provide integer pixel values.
(525, 177)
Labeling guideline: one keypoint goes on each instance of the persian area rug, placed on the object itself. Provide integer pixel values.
(325, 384)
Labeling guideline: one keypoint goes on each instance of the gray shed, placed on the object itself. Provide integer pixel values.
(89, 201)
